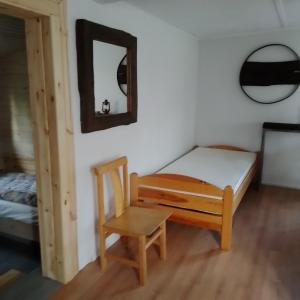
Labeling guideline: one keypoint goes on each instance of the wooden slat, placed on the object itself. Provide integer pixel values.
(109, 166)
(133, 188)
(154, 237)
(180, 183)
(185, 214)
(214, 206)
(125, 185)
(118, 193)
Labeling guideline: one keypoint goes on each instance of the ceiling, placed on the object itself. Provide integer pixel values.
(214, 18)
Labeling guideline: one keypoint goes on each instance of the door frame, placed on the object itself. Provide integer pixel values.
(47, 55)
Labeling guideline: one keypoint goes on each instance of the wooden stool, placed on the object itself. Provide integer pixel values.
(145, 224)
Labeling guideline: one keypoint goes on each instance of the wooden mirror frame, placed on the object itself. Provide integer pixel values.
(86, 33)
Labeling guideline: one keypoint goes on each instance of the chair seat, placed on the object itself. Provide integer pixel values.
(137, 221)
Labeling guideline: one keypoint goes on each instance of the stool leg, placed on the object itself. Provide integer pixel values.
(142, 260)
(162, 242)
(102, 248)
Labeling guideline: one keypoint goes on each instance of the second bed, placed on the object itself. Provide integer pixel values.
(202, 188)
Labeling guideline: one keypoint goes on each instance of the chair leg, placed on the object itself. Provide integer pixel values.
(102, 249)
(142, 260)
(162, 242)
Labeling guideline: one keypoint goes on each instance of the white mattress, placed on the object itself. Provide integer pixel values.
(19, 212)
(215, 166)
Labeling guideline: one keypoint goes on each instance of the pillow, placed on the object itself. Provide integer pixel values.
(18, 187)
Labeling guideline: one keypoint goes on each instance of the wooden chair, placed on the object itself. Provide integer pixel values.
(145, 224)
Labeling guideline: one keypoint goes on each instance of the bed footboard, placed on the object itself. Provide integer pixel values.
(191, 201)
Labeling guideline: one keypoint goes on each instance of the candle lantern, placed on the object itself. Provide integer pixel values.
(105, 107)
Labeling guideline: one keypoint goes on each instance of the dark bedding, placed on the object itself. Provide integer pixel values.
(18, 187)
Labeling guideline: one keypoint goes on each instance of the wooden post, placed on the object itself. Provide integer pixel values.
(227, 218)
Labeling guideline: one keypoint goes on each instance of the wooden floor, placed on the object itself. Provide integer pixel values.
(264, 262)
(18, 254)
(32, 286)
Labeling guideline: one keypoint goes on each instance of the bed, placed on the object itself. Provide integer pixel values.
(202, 188)
(18, 200)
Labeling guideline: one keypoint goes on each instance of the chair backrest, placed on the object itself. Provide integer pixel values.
(120, 190)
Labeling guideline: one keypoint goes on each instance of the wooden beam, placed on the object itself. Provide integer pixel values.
(50, 101)
(61, 137)
(38, 99)
(26, 7)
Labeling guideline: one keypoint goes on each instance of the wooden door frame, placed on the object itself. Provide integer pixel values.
(47, 55)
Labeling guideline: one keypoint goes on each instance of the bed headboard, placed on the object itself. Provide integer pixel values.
(21, 164)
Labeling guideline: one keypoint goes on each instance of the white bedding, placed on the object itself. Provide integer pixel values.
(215, 166)
(19, 212)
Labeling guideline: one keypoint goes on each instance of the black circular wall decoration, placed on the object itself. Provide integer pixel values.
(270, 74)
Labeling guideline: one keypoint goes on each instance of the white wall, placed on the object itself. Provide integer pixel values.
(226, 116)
(167, 90)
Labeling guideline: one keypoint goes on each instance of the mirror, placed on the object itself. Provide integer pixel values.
(109, 98)
(107, 65)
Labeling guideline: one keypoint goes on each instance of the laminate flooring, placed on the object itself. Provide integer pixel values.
(263, 264)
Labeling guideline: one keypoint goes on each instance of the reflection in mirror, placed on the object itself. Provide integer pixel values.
(122, 75)
(109, 98)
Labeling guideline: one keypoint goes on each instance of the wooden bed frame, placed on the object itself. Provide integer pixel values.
(14, 227)
(193, 201)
